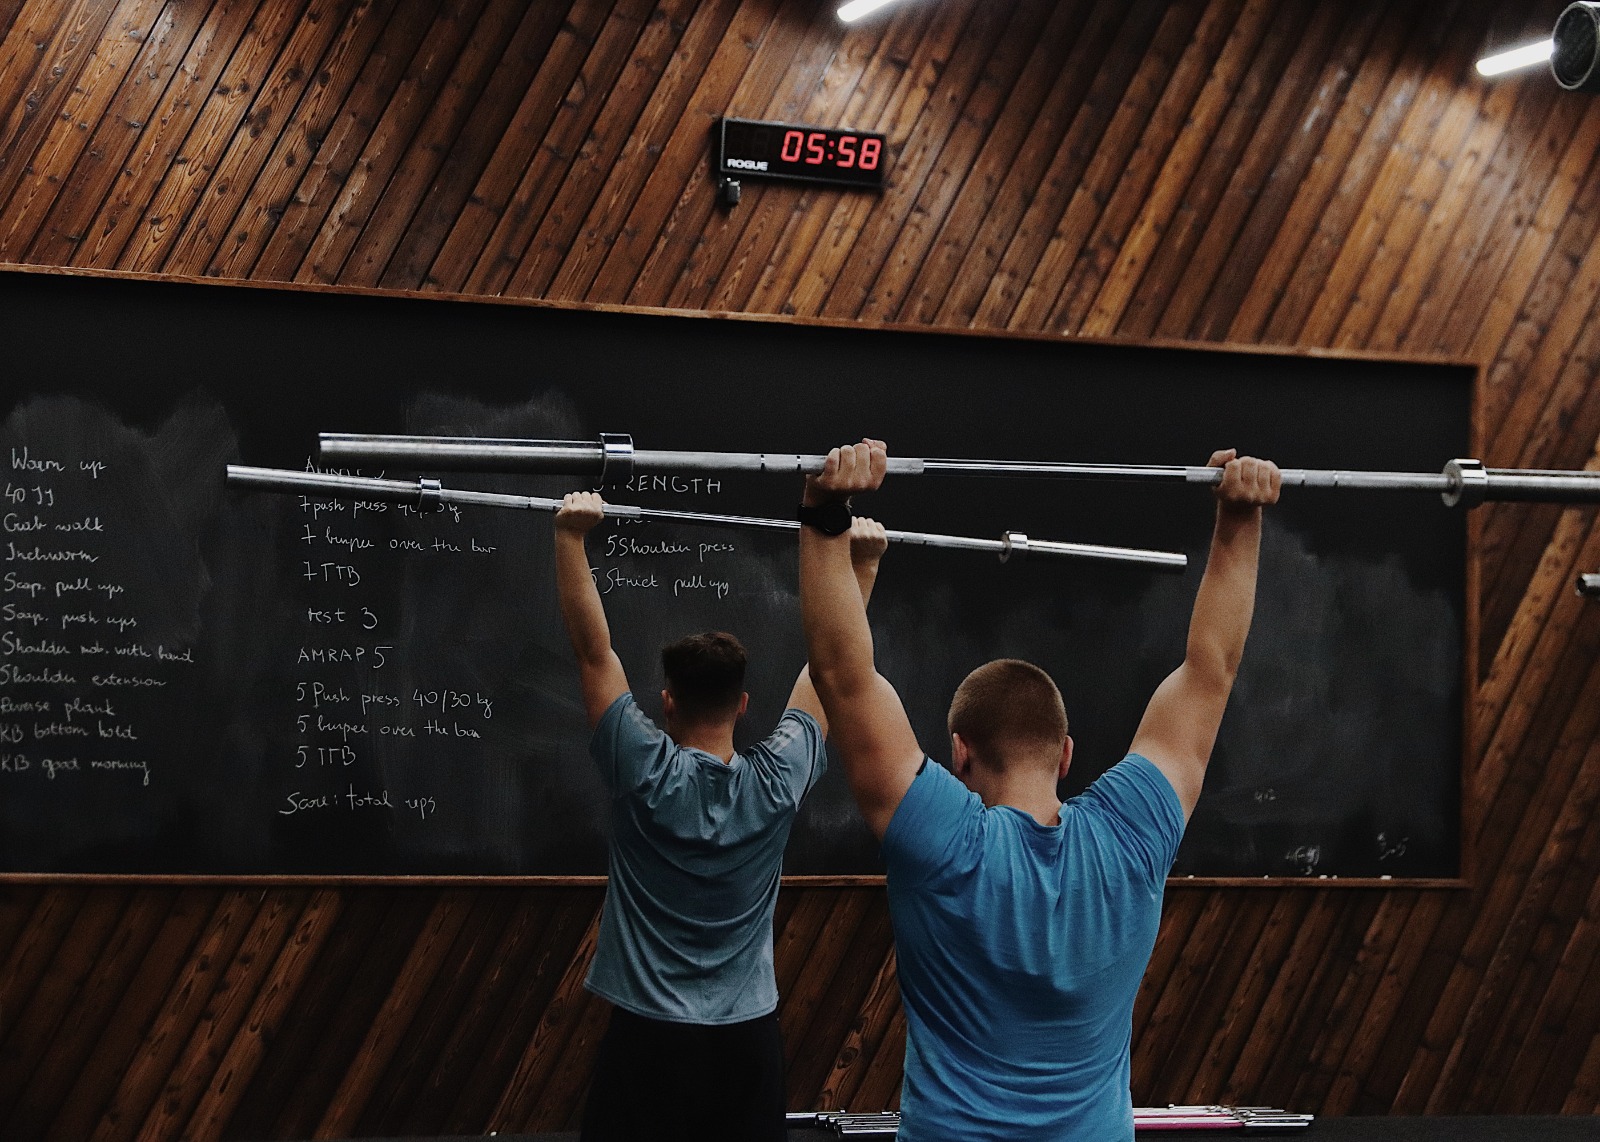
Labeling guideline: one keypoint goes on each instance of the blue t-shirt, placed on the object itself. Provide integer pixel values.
(696, 850)
(1021, 947)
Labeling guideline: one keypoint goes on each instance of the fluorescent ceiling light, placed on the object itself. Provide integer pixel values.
(858, 8)
(1526, 56)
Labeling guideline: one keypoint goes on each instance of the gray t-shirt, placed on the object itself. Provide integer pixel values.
(696, 850)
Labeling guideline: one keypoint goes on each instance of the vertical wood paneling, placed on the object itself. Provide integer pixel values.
(1284, 174)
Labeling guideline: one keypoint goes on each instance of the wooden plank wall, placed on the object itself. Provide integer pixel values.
(1293, 173)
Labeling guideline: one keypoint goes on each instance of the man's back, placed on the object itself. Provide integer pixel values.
(696, 852)
(1017, 1013)
(1020, 950)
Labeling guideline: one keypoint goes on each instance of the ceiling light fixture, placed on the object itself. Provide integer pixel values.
(856, 9)
(1516, 58)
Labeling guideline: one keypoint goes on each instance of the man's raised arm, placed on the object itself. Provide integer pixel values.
(1180, 724)
(866, 720)
(599, 669)
(867, 545)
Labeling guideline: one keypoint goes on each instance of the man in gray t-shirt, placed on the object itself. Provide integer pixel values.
(698, 833)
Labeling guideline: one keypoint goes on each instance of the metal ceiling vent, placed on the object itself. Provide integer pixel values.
(1575, 61)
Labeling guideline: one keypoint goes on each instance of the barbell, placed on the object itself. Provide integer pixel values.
(613, 460)
(427, 494)
(1589, 585)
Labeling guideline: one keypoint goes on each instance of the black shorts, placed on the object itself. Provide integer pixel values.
(663, 1082)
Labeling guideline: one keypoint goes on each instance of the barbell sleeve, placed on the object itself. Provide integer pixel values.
(614, 460)
(425, 492)
(560, 457)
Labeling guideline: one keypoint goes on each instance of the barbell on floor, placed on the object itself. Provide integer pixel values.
(425, 494)
(613, 460)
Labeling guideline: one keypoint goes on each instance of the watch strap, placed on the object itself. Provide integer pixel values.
(831, 518)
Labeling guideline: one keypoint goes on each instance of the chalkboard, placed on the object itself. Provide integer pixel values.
(199, 680)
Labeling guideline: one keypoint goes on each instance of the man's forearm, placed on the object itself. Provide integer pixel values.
(1225, 605)
(581, 609)
(866, 575)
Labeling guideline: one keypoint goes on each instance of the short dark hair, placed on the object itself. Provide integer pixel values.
(1007, 707)
(705, 674)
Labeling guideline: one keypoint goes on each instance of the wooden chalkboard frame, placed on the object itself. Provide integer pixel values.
(1469, 808)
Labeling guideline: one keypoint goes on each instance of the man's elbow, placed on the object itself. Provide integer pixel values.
(593, 659)
(840, 683)
(1213, 668)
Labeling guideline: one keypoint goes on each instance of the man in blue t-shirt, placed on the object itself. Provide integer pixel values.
(697, 838)
(1023, 925)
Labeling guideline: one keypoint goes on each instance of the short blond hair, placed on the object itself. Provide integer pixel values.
(1008, 707)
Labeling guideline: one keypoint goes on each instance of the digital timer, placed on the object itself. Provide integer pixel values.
(812, 154)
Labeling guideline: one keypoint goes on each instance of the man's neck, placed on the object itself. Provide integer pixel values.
(716, 739)
(1025, 792)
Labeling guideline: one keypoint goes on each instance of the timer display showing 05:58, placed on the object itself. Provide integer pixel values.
(813, 154)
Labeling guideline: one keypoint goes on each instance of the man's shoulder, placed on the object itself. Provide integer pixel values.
(936, 821)
(622, 719)
(1134, 808)
(1133, 783)
(795, 731)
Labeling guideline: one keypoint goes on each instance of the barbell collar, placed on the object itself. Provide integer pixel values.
(616, 459)
(1469, 483)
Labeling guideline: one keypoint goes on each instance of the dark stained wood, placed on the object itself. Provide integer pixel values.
(991, 44)
(1161, 168)
(821, 227)
(629, 108)
(1287, 174)
(404, 60)
(747, 242)
(137, 1087)
(141, 235)
(84, 1018)
(47, 46)
(969, 156)
(239, 231)
(467, 152)
(1251, 142)
(219, 1020)
(226, 152)
(54, 142)
(333, 1012)
(405, 1037)
(539, 176)
(519, 1101)
(137, 140)
(665, 228)
(1116, 146)
(181, 923)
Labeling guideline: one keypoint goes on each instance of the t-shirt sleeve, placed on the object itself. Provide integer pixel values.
(934, 829)
(797, 745)
(626, 745)
(1138, 802)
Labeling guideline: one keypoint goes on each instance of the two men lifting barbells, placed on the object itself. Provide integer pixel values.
(1022, 925)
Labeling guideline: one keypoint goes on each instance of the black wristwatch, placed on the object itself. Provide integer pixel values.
(831, 518)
